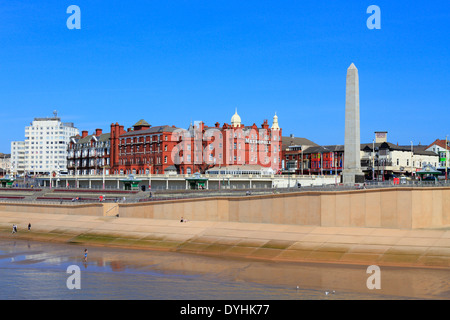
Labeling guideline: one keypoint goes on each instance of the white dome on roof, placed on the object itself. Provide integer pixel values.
(235, 119)
(275, 122)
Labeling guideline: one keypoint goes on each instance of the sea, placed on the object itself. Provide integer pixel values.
(31, 270)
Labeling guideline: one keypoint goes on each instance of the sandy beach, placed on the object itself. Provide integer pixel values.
(348, 281)
(415, 263)
(267, 242)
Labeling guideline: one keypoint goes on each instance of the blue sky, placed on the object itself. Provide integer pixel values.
(173, 62)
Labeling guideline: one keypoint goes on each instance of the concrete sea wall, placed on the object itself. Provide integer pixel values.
(92, 209)
(399, 227)
(398, 208)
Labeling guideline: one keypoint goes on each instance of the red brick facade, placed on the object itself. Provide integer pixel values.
(200, 147)
(144, 149)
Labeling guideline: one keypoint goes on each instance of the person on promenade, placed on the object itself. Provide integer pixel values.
(14, 229)
(85, 255)
(29, 226)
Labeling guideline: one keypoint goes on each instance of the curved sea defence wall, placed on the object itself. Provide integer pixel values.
(398, 208)
(91, 209)
(399, 227)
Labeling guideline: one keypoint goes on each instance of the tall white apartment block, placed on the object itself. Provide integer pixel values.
(17, 164)
(45, 146)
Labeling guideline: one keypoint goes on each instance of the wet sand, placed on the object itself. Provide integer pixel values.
(265, 242)
(414, 263)
(396, 282)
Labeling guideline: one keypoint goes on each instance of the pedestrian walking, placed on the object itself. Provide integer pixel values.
(29, 226)
(85, 255)
(14, 229)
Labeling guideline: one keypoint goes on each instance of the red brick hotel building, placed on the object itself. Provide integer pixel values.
(144, 149)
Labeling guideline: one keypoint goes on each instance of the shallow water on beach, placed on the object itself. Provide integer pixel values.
(33, 270)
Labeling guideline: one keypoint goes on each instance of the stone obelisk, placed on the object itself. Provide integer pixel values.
(352, 172)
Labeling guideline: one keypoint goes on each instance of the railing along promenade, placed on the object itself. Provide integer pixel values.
(76, 196)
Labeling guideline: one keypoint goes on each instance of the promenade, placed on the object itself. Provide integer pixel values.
(263, 241)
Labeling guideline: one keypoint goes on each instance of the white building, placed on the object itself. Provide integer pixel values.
(17, 164)
(387, 157)
(45, 147)
(5, 163)
(443, 150)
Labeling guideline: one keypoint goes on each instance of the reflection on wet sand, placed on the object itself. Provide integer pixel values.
(397, 282)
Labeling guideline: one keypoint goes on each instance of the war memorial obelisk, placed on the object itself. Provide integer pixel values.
(352, 172)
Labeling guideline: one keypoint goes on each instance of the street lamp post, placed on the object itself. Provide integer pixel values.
(149, 176)
(76, 176)
(446, 157)
(373, 160)
(105, 166)
(335, 167)
(51, 174)
(58, 170)
(412, 155)
(321, 163)
(302, 158)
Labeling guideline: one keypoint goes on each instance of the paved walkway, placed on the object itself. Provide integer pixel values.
(414, 248)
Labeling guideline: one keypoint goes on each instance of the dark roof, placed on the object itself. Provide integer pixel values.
(141, 123)
(150, 130)
(368, 147)
(102, 137)
(292, 141)
(317, 149)
(335, 148)
(391, 146)
(425, 153)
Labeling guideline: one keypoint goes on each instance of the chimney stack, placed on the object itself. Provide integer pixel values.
(98, 132)
(84, 134)
(380, 136)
